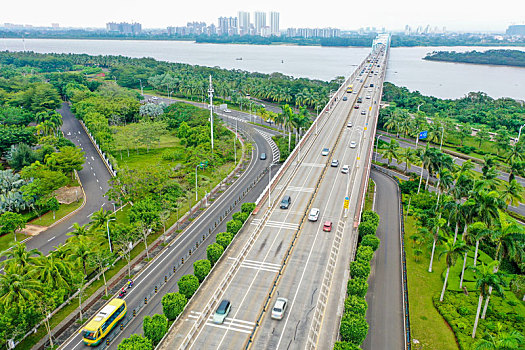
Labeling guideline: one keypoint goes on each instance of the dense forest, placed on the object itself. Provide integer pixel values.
(497, 57)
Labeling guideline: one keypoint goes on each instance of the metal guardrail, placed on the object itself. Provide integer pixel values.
(406, 309)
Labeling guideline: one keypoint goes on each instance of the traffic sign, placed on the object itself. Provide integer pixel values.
(423, 135)
(347, 202)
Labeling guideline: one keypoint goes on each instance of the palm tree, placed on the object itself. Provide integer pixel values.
(20, 258)
(502, 340)
(437, 224)
(445, 180)
(486, 278)
(452, 250)
(512, 193)
(17, 286)
(426, 159)
(79, 231)
(417, 254)
(80, 251)
(408, 156)
(390, 152)
(53, 272)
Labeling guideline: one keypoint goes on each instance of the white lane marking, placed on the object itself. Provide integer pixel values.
(90, 215)
(100, 188)
(262, 262)
(315, 165)
(70, 227)
(92, 158)
(260, 268)
(97, 180)
(300, 189)
(94, 174)
(52, 238)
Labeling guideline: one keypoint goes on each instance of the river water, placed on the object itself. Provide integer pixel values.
(405, 67)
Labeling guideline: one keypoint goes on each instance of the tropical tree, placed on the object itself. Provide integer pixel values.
(512, 193)
(54, 272)
(20, 258)
(452, 250)
(79, 231)
(437, 224)
(500, 341)
(486, 278)
(390, 151)
(16, 286)
(11, 222)
(408, 156)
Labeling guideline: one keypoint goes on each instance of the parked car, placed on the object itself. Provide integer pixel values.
(327, 226)
(314, 214)
(325, 152)
(286, 201)
(279, 308)
(222, 311)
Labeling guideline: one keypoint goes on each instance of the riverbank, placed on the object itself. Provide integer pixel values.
(511, 58)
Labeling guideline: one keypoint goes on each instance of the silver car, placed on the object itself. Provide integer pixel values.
(222, 311)
(279, 308)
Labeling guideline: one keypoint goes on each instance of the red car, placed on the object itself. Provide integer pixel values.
(356, 106)
(327, 226)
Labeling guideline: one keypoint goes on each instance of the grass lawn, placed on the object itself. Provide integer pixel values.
(369, 198)
(426, 323)
(63, 210)
(7, 241)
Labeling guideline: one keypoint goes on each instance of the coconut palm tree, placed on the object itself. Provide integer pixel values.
(512, 193)
(24, 260)
(100, 218)
(18, 286)
(80, 251)
(452, 250)
(52, 271)
(408, 156)
(390, 151)
(485, 279)
(437, 224)
(79, 231)
(445, 180)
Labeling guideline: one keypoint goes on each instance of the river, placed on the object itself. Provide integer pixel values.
(405, 67)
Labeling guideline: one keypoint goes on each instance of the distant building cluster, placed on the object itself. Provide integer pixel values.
(516, 30)
(424, 30)
(124, 28)
(260, 24)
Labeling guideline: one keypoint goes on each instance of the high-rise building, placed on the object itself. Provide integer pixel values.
(274, 23)
(124, 27)
(516, 29)
(228, 26)
(244, 23)
(260, 22)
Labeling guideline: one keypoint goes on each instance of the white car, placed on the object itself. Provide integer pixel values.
(353, 144)
(154, 98)
(349, 125)
(345, 169)
(279, 308)
(314, 214)
(368, 97)
(222, 311)
(227, 111)
(325, 152)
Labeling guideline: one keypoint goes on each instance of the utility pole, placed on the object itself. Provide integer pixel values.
(210, 92)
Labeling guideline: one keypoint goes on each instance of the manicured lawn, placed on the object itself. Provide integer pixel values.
(426, 323)
(7, 241)
(47, 218)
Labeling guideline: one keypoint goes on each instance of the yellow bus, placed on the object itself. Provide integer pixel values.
(350, 89)
(103, 322)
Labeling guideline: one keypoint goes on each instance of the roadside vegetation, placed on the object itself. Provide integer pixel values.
(464, 256)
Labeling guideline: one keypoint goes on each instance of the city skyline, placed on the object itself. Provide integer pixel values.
(456, 16)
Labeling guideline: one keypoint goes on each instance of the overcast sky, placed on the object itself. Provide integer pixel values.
(457, 15)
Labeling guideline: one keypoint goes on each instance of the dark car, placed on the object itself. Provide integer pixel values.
(285, 203)
(345, 98)
(263, 156)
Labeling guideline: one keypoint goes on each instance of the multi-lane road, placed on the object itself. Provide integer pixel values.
(155, 272)
(282, 254)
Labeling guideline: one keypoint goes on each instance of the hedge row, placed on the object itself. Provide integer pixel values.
(174, 303)
(354, 328)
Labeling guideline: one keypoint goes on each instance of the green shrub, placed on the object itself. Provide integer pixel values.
(241, 216)
(188, 284)
(201, 269)
(135, 342)
(214, 252)
(354, 329)
(359, 269)
(371, 241)
(224, 239)
(355, 305)
(173, 304)
(367, 228)
(233, 226)
(343, 345)
(364, 253)
(370, 217)
(155, 327)
(247, 207)
(357, 286)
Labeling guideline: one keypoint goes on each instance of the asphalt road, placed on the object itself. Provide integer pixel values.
(263, 247)
(384, 297)
(163, 263)
(94, 177)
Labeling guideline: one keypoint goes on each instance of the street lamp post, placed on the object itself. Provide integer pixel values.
(210, 91)
(196, 194)
(141, 89)
(377, 144)
(269, 187)
(109, 237)
(442, 132)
